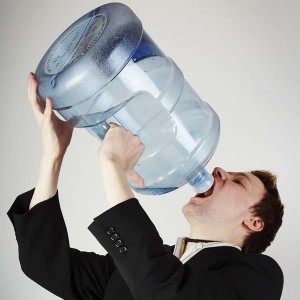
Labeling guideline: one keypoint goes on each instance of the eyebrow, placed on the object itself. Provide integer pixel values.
(242, 175)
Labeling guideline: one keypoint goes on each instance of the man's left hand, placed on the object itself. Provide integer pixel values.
(122, 148)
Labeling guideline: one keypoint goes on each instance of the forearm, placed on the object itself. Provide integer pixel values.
(46, 186)
(115, 183)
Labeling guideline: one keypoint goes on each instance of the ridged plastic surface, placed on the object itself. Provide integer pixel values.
(105, 68)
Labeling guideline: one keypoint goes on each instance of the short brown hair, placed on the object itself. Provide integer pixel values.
(270, 210)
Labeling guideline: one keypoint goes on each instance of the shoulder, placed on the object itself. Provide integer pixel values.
(259, 261)
(259, 268)
(169, 248)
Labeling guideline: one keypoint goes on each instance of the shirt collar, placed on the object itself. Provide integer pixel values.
(185, 256)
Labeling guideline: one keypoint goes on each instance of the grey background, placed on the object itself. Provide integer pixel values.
(242, 57)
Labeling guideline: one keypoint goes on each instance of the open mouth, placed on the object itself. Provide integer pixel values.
(207, 193)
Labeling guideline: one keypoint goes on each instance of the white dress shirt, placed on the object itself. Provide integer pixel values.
(184, 256)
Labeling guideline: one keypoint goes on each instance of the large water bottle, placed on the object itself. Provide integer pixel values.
(105, 68)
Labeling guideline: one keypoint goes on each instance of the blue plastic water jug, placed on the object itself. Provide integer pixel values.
(105, 68)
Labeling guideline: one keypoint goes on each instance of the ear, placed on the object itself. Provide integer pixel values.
(253, 223)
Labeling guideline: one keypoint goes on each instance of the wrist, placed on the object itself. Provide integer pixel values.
(46, 186)
(115, 183)
(49, 169)
(111, 163)
(48, 160)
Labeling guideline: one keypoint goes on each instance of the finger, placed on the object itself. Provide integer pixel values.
(37, 107)
(112, 125)
(40, 102)
(34, 97)
(136, 178)
(33, 101)
(48, 110)
(136, 136)
(29, 85)
(142, 147)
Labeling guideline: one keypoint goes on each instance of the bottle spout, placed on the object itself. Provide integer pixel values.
(202, 182)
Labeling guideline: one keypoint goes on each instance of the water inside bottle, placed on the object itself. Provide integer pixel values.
(154, 191)
(172, 140)
(173, 134)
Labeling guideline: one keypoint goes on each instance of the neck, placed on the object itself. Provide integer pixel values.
(205, 235)
(217, 236)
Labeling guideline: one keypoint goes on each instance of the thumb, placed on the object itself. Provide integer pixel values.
(136, 178)
(48, 109)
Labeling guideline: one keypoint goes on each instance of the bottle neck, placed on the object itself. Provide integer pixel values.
(202, 181)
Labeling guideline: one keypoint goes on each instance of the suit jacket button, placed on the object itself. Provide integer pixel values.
(110, 230)
(123, 249)
(114, 236)
(119, 243)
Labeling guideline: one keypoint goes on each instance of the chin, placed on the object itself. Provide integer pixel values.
(186, 208)
(192, 208)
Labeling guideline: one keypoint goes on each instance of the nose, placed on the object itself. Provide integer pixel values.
(221, 173)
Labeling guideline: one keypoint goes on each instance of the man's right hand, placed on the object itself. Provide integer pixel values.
(55, 133)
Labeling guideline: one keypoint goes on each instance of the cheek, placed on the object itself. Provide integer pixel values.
(233, 202)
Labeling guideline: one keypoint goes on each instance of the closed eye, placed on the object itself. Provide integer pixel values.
(238, 182)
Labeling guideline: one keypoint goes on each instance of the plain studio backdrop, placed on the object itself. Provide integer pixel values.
(242, 57)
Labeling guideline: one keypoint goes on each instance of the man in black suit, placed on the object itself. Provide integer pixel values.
(230, 226)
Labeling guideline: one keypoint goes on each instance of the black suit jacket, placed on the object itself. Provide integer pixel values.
(138, 265)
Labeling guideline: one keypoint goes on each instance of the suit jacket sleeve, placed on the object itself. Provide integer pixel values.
(46, 256)
(130, 237)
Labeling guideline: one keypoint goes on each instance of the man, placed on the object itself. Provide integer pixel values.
(229, 228)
